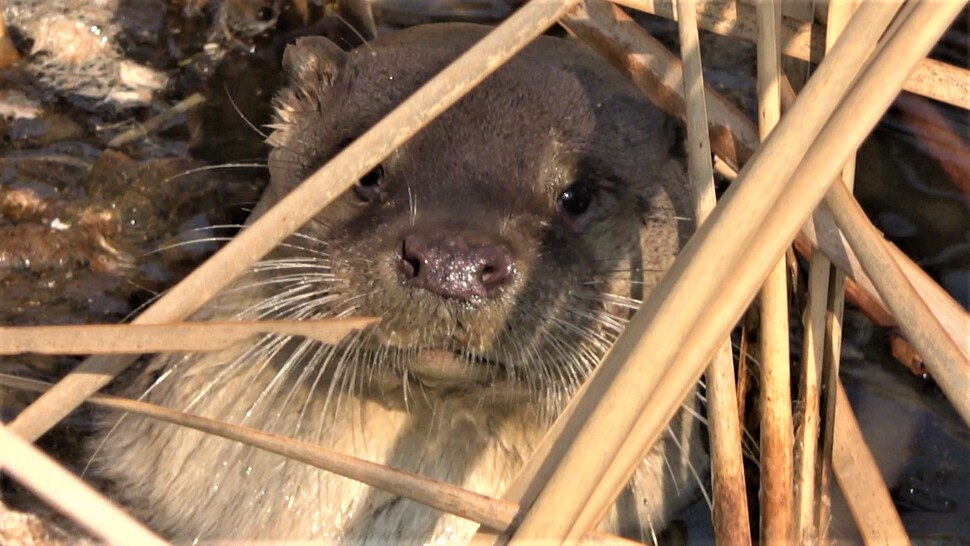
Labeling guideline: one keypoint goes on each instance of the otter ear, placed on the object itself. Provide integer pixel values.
(313, 62)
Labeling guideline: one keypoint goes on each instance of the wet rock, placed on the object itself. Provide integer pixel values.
(72, 48)
(15, 104)
(28, 529)
(52, 127)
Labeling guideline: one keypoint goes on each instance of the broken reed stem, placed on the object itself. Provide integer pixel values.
(881, 71)
(806, 441)
(775, 393)
(820, 231)
(155, 122)
(861, 480)
(845, 132)
(302, 204)
(442, 496)
(947, 361)
(609, 432)
(730, 509)
(830, 377)
(802, 40)
(839, 13)
(67, 493)
(165, 338)
(658, 74)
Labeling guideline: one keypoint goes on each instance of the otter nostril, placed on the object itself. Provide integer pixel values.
(411, 256)
(413, 267)
(497, 267)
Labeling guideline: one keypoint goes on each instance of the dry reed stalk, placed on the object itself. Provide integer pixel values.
(798, 70)
(802, 40)
(442, 496)
(775, 393)
(862, 482)
(821, 232)
(155, 122)
(839, 13)
(38, 472)
(830, 377)
(302, 203)
(165, 338)
(658, 73)
(810, 385)
(578, 474)
(846, 130)
(730, 509)
(946, 360)
(881, 73)
(861, 293)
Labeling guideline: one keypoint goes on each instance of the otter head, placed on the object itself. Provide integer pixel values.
(504, 243)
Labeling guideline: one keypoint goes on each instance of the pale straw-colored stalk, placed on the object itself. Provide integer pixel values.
(84, 339)
(658, 74)
(843, 134)
(839, 13)
(803, 40)
(730, 509)
(775, 392)
(615, 397)
(861, 481)
(946, 358)
(67, 493)
(155, 122)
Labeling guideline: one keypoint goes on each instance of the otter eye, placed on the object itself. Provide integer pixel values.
(576, 199)
(368, 187)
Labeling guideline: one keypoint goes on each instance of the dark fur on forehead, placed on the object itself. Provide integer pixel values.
(333, 97)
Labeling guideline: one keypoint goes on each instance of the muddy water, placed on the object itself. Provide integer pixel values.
(89, 234)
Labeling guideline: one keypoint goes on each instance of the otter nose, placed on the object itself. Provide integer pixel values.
(453, 268)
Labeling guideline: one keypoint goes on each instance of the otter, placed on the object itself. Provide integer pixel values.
(504, 247)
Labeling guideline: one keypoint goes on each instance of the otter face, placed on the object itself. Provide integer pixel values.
(501, 242)
(504, 246)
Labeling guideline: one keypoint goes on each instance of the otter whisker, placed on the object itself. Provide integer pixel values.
(691, 468)
(241, 115)
(121, 417)
(623, 301)
(282, 371)
(213, 168)
(664, 218)
(223, 371)
(312, 263)
(183, 244)
(612, 324)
